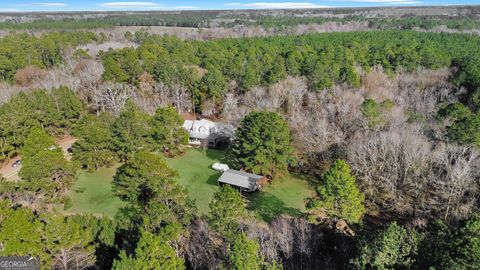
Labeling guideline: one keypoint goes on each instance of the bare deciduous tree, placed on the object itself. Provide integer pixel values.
(402, 172)
(111, 97)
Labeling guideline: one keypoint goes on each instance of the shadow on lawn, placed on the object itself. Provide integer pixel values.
(223, 156)
(268, 206)
(213, 179)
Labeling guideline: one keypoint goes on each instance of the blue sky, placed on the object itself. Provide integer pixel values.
(91, 5)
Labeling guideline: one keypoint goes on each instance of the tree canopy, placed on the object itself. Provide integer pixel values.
(227, 210)
(61, 242)
(338, 194)
(152, 252)
(167, 132)
(390, 248)
(57, 111)
(150, 186)
(131, 131)
(263, 143)
(44, 166)
(94, 146)
(245, 254)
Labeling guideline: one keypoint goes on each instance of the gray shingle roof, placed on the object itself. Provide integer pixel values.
(240, 179)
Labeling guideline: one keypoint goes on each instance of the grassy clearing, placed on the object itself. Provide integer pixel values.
(197, 176)
(285, 195)
(92, 193)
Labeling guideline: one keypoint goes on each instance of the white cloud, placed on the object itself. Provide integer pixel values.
(49, 4)
(185, 7)
(144, 6)
(9, 10)
(280, 5)
(130, 5)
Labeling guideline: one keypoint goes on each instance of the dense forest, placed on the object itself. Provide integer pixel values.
(405, 23)
(324, 59)
(425, 18)
(109, 22)
(381, 128)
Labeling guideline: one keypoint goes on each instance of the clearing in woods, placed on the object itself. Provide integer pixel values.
(92, 192)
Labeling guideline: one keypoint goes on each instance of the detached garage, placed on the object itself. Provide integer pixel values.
(245, 182)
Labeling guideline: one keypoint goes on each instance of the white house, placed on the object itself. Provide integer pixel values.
(199, 130)
(207, 133)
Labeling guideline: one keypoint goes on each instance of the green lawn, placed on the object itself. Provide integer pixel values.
(92, 193)
(197, 176)
(285, 195)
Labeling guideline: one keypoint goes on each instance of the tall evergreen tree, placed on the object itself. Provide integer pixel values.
(445, 247)
(152, 252)
(245, 254)
(338, 194)
(94, 147)
(393, 247)
(154, 195)
(167, 132)
(60, 242)
(227, 210)
(263, 143)
(131, 131)
(44, 166)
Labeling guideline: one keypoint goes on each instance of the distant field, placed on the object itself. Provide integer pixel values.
(92, 193)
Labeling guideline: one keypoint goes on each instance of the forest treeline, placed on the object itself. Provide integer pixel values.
(171, 20)
(379, 23)
(207, 20)
(325, 59)
(20, 50)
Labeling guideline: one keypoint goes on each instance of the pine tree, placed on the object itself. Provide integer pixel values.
(151, 188)
(167, 132)
(227, 209)
(245, 254)
(44, 165)
(131, 131)
(152, 252)
(338, 194)
(393, 247)
(263, 143)
(94, 146)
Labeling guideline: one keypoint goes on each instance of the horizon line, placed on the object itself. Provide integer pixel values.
(241, 9)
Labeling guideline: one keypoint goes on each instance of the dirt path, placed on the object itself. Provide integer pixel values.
(66, 143)
(11, 173)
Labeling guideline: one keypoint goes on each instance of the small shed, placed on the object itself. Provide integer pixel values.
(246, 182)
